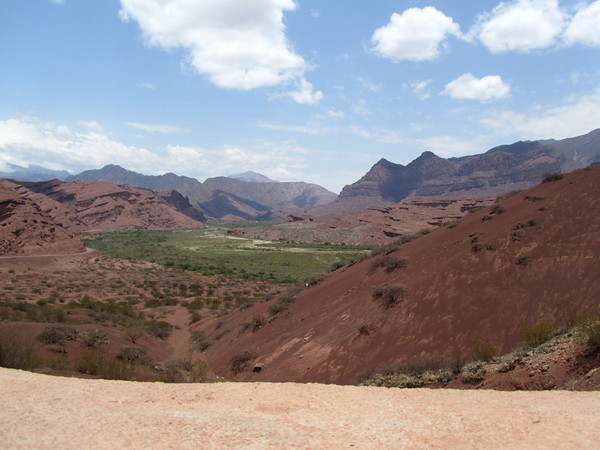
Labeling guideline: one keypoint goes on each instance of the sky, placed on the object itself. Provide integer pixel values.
(297, 90)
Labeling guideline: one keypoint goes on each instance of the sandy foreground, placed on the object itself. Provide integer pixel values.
(51, 412)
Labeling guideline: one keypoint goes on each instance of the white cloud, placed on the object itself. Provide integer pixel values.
(416, 35)
(147, 85)
(374, 87)
(483, 89)
(584, 28)
(576, 116)
(293, 128)
(521, 25)
(305, 94)
(91, 125)
(158, 128)
(419, 88)
(25, 140)
(237, 44)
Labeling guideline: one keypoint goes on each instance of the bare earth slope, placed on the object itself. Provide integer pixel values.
(51, 412)
(25, 230)
(99, 205)
(529, 258)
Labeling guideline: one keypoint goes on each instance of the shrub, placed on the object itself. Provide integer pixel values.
(591, 333)
(365, 329)
(16, 353)
(55, 335)
(314, 280)
(130, 353)
(389, 294)
(539, 334)
(483, 350)
(238, 362)
(550, 177)
(473, 373)
(91, 338)
(522, 260)
(389, 263)
(160, 329)
(497, 209)
(199, 341)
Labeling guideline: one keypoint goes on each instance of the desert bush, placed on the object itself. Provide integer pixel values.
(473, 373)
(337, 264)
(389, 294)
(497, 209)
(314, 280)
(484, 350)
(199, 373)
(91, 338)
(238, 362)
(199, 341)
(160, 329)
(522, 260)
(412, 375)
(365, 329)
(389, 263)
(98, 364)
(539, 334)
(550, 177)
(533, 198)
(591, 333)
(16, 353)
(130, 353)
(56, 335)
(507, 195)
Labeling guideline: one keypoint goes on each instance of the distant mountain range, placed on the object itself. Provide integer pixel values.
(223, 197)
(250, 195)
(501, 169)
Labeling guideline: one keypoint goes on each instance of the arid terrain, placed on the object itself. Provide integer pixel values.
(492, 300)
(53, 412)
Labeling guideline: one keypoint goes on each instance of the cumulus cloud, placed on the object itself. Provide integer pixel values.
(576, 116)
(584, 28)
(237, 44)
(416, 35)
(521, 25)
(483, 89)
(158, 128)
(26, 139)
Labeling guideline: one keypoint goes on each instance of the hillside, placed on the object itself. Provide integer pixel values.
(498, 272)
(250, 197)
(98, 205)
(25, 230)
(501, 169)
(373, 226)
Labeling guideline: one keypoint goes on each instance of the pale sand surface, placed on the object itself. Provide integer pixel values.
(40, 411)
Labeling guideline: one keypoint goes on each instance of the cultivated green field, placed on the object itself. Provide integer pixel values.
(211, 250)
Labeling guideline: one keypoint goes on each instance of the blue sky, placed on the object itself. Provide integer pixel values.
(302, 90)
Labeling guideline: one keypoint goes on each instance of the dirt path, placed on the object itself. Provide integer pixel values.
(50, 412)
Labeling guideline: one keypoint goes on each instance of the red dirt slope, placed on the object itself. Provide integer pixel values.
(25, 230)
(102, 206)
(530, 257)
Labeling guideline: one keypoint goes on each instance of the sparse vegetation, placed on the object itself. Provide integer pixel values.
(550, 177)
(15, 352)
(389, 263)
(539, 333)
(389, 294)
(484, 350)
(239, 362)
